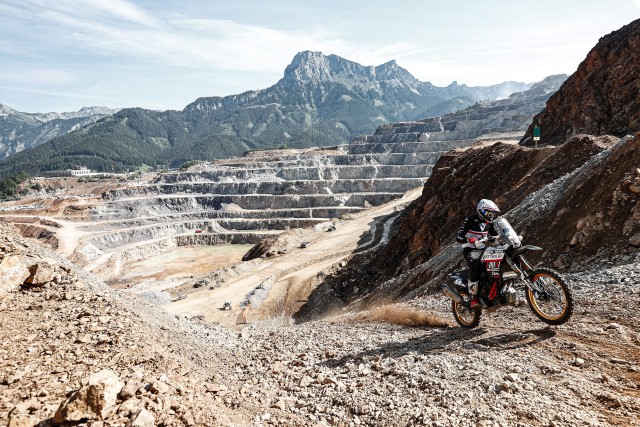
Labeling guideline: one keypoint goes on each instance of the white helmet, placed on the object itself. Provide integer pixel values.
(487, 210)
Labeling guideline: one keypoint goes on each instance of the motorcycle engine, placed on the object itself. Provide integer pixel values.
(508, 294)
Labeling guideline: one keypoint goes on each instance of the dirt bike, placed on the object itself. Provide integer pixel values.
(505, 268)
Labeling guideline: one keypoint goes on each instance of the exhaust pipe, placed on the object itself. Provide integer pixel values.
(448, 291)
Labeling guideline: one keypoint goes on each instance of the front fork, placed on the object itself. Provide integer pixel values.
(524, 272)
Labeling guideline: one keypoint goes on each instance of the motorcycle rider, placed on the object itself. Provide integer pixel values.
(475, 228)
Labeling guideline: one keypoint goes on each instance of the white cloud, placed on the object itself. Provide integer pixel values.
(116, 10)
(74, 95)
(119, 44)
(104, 28)
(121, 9)
(36, 77)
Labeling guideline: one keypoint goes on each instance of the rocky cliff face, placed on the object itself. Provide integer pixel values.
(601, 97)
(310, 66)
(580, 202)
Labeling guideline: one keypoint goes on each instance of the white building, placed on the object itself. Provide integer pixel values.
(81, 171)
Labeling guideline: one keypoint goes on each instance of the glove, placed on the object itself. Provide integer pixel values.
(478, 244)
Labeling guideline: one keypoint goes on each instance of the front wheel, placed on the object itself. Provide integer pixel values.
(465, 317)
(551, 302)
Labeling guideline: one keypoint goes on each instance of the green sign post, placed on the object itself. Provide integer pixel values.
(536, 134)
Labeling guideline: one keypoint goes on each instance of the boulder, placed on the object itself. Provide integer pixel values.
(158, 387)
(42, 272)
(94, 401)
(635, 240)
(22, 414)
(142, 419)
(12, 274)
(130, 389)
(21, 420)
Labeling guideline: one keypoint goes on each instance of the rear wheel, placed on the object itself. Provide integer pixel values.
(552, 302)
(465, 316)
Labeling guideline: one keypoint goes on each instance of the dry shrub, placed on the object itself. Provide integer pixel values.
(403, 315)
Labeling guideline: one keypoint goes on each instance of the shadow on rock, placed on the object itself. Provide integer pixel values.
(462, 340)
(431, 342)
(516, 339)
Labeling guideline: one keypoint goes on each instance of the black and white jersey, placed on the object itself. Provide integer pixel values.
(473, 226)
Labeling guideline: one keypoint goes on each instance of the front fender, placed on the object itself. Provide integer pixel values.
(526, 248)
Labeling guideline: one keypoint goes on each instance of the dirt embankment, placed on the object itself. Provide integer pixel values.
(44, 235)
(591, 215)
(63, 325)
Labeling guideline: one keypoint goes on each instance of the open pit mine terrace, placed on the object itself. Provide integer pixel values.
(242, 201)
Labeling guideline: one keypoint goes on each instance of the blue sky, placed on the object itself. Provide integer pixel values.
(64, 54)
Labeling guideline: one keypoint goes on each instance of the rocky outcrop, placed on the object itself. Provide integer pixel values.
(590, 215)
(94, 401)
(601, 97)
(504, 173)
(277, 245)
(13, 273)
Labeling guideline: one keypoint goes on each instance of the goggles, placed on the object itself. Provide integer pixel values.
(491, 215)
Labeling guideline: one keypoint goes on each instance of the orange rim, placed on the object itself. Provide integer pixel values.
(534, 301)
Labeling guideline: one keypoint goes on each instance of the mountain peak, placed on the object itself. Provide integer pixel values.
(309, 66)
(392, 71)
(388, 65)
(5, 111)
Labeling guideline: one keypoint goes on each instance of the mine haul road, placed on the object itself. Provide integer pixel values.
(296, 268)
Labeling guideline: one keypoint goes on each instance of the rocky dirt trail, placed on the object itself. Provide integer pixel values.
(71, 337)
(513, 370)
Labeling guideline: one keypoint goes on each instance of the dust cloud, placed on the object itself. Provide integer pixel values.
(403, 315)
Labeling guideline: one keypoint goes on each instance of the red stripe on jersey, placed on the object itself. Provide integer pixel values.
(476, 234)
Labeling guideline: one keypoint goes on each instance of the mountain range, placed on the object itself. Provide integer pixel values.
(20, 131)
(321, 100)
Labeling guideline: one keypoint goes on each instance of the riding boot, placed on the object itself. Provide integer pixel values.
(473, 290)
